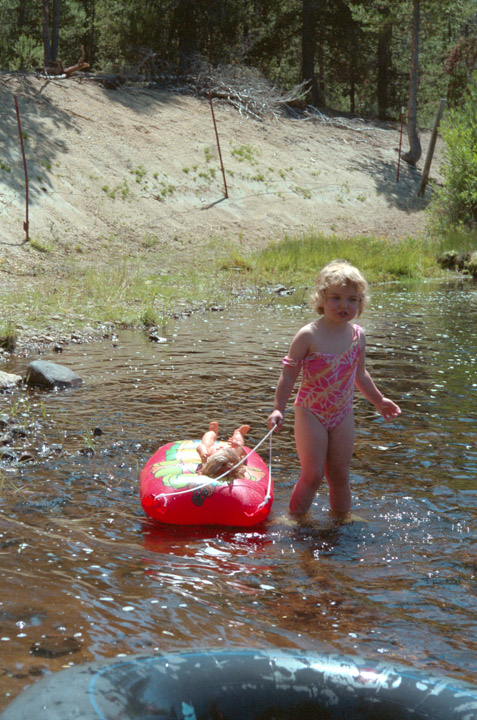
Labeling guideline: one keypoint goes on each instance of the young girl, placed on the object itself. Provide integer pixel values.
(331, 352)
(216, 460)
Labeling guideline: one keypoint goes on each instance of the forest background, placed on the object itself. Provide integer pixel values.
(355, 55)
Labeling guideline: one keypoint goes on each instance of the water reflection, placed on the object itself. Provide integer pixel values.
(80, 562)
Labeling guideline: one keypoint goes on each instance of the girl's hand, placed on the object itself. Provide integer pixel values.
(275, 420)
(388, 408)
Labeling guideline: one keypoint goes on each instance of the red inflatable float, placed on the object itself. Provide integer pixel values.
(173, 492)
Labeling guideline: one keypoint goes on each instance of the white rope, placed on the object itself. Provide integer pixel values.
(268, 496)
(199, 487)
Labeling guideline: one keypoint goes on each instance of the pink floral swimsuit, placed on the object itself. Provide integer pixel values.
(327, 384)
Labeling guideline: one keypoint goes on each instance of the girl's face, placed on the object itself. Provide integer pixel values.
(341, 303)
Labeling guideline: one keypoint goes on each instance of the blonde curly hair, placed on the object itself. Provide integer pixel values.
(221, 461)
(339, 272)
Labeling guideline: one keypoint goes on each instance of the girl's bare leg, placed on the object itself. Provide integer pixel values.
(205, 447)
(340, 452)
(312, 446)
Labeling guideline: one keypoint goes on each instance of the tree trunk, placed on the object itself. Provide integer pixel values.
(45, 24)
(353, 51)
(308, 45)
(21, 15)
(352, 95)
(90, 37)
(187, 31)
(414, 153)
(384, 63)
(55, 33)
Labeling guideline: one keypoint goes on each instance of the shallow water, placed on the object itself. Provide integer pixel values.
(83, 570)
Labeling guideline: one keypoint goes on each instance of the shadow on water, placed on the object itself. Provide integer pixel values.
(85, 575)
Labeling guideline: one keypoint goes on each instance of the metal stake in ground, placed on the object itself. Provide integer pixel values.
(218, 145)
(25, 224)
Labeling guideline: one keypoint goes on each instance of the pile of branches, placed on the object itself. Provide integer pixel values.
(246, 89)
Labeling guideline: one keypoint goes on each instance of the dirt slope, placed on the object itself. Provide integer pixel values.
(138, 167)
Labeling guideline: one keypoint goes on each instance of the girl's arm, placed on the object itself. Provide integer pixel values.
(285, 386)
(365, 384)
(298, 351)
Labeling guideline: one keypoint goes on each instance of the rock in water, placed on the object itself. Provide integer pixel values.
(51, 375)
(8, 380)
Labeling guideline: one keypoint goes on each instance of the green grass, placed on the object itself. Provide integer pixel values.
(40, 246)
(149, 285)
(8, 335)
(297, 260)
(244, 153)
(458, 239)
(124, 291)
(123, 189)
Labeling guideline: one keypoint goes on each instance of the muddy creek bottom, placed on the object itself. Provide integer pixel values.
(85, 575)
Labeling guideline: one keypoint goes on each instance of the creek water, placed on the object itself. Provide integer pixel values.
(85, 575)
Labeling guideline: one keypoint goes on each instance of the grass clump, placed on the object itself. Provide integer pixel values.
(149, 316)
(40, 246)
(457, 238)
(244, 153)
(8, 335)
(297, 260)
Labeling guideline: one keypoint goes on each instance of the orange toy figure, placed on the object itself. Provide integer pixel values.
(218, 460)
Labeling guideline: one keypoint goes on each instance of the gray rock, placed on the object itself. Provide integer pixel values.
(51, 375)
(155, 337)
(8, 380)
(8, 455)
(282, 290)
(17, 431)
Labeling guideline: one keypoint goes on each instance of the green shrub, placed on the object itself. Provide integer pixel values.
(455, 203)
(472, 265)
(27, 54)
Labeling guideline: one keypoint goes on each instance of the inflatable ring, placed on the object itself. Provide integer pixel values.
(173, 491)
(244, 685)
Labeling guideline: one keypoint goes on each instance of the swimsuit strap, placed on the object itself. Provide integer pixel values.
(290, 362)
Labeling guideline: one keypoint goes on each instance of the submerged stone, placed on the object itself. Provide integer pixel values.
(53, 646)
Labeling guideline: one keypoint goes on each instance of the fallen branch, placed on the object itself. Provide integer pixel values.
(55, 69)
(80, 65)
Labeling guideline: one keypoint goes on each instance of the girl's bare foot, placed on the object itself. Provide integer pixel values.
(214, 427)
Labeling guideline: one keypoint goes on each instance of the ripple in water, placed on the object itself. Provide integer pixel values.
(80, 560)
